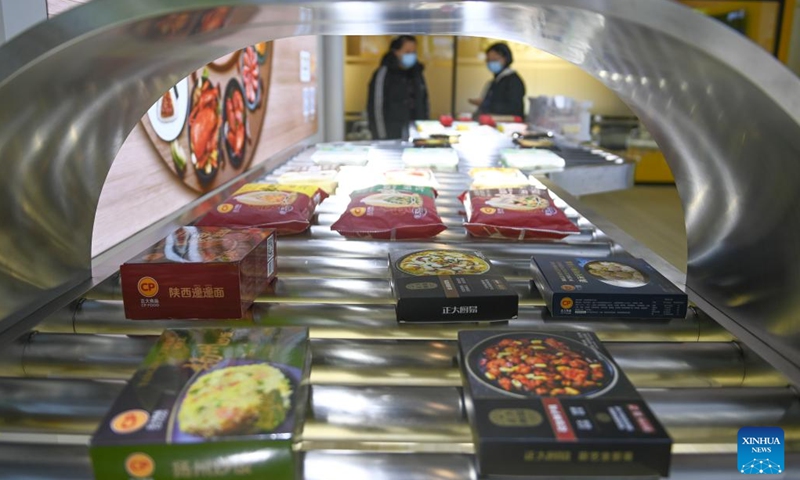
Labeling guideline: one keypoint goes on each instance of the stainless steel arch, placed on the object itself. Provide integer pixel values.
(726, 114)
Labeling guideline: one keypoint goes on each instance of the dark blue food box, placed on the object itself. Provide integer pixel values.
(556, 404)
(605, 287)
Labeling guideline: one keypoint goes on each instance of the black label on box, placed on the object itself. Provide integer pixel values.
(608, 287)
(449, 286)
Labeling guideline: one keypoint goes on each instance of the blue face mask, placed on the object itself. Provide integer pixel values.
(495, 66)
(408, 60)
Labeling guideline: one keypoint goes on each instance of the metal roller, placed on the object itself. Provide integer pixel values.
(51, 406)
(75, 407)
(20, 461)
(393, 362)
(349, 322)
(360, 466)
(70, 462)
(310, 247)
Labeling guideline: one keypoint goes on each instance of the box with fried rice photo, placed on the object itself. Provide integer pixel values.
(619, 287)
(209, 403)
(449, 286)
(199, 272)
(555, 404)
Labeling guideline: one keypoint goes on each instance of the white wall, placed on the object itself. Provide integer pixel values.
(17, 16)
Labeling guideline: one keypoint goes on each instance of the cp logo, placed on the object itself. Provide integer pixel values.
(567, 303)
(139, 465)
(148, 287)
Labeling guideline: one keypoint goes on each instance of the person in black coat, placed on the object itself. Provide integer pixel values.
(505, 94)
(397, 91)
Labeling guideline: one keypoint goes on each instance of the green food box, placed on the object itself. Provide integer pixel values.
(209, 403)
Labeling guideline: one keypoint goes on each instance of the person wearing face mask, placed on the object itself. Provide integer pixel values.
(397, 92)
(505, 94)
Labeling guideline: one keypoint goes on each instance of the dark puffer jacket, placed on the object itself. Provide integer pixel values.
(505, 95)
(396, 97)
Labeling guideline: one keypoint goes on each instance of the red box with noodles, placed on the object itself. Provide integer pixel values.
(199, 272)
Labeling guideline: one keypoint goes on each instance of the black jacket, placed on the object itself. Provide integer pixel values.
(396, 97)
(505, 96)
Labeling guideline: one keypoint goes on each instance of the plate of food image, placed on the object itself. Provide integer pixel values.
(528, 202)
(168, 114)
(526, 365)
(616, 274)
(225, 62)
(251, 77)
(234, 123)
(236, 397)
(442, 262)
(205, 120)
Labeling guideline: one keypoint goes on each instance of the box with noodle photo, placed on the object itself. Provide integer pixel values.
(449, 286)
(556, 403)
(209, 403)
(199, 272)
(621, 287)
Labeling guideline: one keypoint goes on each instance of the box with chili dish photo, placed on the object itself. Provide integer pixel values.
(556, 404)
(449, 286)
(199, 272)
(619, 287)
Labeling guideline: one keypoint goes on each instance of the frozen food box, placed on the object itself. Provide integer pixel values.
(340, 154)
(497, 177)
(323, 176)
(531, 159)
(617, 287)
(449, 286)
(441, 159)
(556, 404)
(429, 127)
(418, 177)
(209, 403)
(199, 272)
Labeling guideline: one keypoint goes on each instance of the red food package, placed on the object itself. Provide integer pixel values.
(286, 208)
(391, 212)
(514, 213)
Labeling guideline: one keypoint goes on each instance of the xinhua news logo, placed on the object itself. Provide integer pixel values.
(760, 451)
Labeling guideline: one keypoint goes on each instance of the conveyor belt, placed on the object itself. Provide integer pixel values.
(381, 391)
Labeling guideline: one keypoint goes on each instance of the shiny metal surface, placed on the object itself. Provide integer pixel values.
(692, 416)
(685, 76)
(378, 322)
(375, 363)
(70, 462)
(371, 364)
(26, 462)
